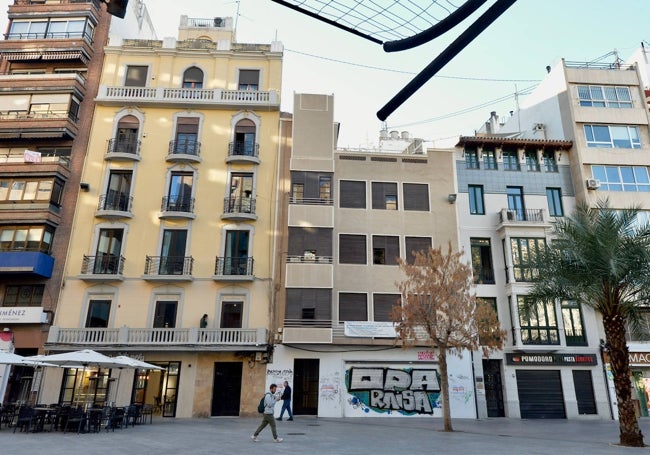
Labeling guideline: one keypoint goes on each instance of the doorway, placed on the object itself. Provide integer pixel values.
(493, 388)
(226, 388)
(305, 386)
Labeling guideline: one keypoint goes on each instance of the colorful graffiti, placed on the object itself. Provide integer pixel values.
(407, 391)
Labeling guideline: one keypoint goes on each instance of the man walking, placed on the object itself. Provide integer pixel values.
(267, 417)
(286, 401)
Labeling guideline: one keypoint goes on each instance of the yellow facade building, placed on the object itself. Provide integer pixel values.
(175, 220)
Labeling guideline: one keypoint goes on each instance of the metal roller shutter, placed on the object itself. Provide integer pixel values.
(540, 394)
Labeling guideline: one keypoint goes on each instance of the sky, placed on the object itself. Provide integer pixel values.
(509, 57)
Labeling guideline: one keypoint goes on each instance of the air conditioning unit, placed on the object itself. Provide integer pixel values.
(593, 184)
(511, 215)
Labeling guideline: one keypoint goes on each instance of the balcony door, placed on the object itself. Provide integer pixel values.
(180, 192)
(241, 192)
(165, 314)
(98, 313)
(127, 134)
(172, 253)
(109, 249)
(119, 191)
(516, 201)
(231, 315)
(245, 138)
(236, 256)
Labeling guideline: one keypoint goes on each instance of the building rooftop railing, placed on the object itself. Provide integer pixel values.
(599, 65)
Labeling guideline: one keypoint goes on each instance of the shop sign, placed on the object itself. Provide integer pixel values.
(407, 391)
(551, 359)
(21, 315)
(369, 329)
(639, 358)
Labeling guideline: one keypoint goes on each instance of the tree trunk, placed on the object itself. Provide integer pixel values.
(444, 389)
(630, 434)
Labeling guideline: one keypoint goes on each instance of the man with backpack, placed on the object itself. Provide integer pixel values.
(267, 408)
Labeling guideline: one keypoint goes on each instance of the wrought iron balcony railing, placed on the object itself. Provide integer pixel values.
(127, 147)
(234, 266)
(102, 264)
(239, 205)
(169, 265)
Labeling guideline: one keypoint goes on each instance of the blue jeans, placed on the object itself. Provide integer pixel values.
(286, 404)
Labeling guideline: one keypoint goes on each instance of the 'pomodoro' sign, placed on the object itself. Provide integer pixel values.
(551, 359)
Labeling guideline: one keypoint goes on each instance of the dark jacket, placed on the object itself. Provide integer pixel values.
(286, 393)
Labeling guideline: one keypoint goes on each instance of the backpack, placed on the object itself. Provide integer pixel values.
(260, 407)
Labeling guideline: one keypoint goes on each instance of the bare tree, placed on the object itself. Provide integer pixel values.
(439, 308)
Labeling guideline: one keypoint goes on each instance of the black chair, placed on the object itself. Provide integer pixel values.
(132, 415)
(98, 417)
(8, 415)
(116, 420)
(25, 418)
(146, 412)
(76, 418)
(61, 418)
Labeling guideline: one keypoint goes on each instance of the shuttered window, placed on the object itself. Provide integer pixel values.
(249, 79)
(136, 76)
(384, 196)
(307, 303)
(416, 244)
(353, 194)
(385, 249)
(416, 197)
(382, 306)
(316, 240)
(352, 249)
(353, 306)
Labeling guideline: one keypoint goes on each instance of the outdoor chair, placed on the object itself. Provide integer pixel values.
(76, 418)
(146, 412)
(7, 415)
(116, 420)
(25, 418)
(132, 415)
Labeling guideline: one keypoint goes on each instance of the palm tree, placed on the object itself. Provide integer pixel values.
(600, 257)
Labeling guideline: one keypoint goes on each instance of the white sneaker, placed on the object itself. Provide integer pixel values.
(254, 438)
(278, 440)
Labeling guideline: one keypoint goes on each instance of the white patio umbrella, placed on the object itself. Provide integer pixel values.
(84, 358)
(9, 358)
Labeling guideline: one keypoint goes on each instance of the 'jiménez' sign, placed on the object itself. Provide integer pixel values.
(408, 391)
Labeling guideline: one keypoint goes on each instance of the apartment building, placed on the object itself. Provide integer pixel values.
(50, 62)
(349, 215)
(176, 221)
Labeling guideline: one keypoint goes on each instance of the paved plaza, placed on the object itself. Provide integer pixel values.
(323, 436)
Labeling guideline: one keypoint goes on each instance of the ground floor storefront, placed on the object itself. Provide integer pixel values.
(352, 381)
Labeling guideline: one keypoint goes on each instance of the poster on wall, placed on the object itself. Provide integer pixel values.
(406, 391)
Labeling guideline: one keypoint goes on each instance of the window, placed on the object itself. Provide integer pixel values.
(515, 196)
(573, 327)
(109, 250)
(240, 199)
(236, 253)
(604, 96)
(172, 252)
(416, 244)
(27, 30)
(471, 159)
(249, 79)
(538, 322)
(179, 196)
(70, 28)
(32, 190)
(118, 194)
(384, 196)
(297, 193)
(315, 187)
(611, 136)
(385, 249)
(26, 238)
(622, 178)
(244, 145)
(489, 160)
(98, 313)
(416, 196)
(353, 306)
(482, 261)
(193, 78)
(165, 314)
(524, 251)
(510, 160)
(554, 198)
(136, 76)
(382, 306)
(325, 188)
(532, 163)
(491, 301)
(476, 205)
(23, 295)
(187, 134)
(126, 140)
(353, 194)
(550, 165)
(310, 243)
(231, 315)
(352, 249)
(312, 304)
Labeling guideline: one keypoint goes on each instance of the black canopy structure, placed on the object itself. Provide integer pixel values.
(398, 25)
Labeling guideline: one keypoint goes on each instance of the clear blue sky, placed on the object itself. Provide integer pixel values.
(514, 51)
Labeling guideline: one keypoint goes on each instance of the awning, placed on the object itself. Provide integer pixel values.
(12, 56)
(66, 55)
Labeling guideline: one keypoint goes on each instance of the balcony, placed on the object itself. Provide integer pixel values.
(122, 150)
(233, 269)
(26, 263)
(319, 211)
(103, 267)
(254, 339)
(114, 205)
(523, 218)
(184, 152)
(175, 207)
(309, 270)
(41, 124)
(239, 208)
(240, 152)
(188, 98)
(168, 268)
